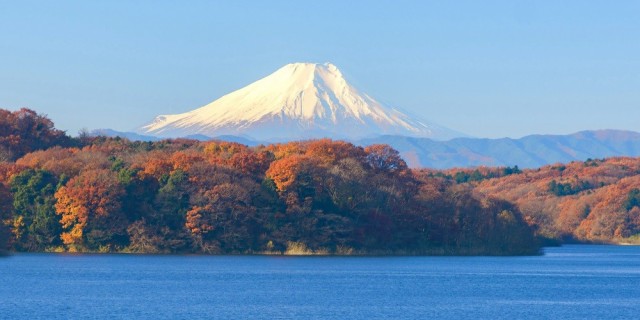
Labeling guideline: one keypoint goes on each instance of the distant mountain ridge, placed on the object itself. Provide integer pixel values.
(298, 101)
(526, 152)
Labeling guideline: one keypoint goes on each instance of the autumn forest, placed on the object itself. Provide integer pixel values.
(98, 194)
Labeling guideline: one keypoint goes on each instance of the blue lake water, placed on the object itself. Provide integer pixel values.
(570, 282)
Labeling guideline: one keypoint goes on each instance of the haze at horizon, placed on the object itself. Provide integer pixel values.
(489, 69)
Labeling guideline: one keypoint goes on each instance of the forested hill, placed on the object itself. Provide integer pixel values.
(98, 194)
(597, 200)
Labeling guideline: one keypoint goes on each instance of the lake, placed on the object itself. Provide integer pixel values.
(569, 282)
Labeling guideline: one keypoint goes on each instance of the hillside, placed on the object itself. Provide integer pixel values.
(593, 201)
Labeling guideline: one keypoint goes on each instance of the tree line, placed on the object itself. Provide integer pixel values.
(99, 194)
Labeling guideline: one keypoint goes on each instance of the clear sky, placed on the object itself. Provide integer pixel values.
(486, 68)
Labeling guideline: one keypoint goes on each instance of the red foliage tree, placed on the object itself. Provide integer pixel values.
(24, 131)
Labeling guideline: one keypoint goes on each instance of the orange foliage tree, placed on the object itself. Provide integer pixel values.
(89, 205)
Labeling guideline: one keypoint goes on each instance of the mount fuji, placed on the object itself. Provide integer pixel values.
(298, 101)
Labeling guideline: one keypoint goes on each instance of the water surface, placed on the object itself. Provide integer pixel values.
(570, 282)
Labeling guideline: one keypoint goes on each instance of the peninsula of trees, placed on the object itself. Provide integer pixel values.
(97, 194)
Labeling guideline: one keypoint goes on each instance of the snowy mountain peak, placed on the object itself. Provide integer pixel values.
(298, 101)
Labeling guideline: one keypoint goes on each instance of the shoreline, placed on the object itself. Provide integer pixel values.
(279, 254)
(436, 253)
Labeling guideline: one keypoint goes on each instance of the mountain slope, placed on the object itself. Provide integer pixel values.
(138, 137)
(527, 152)
(298, 101)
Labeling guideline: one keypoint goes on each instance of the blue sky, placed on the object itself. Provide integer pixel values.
(487, 68)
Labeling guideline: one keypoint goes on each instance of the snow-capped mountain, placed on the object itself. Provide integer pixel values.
(298, 101)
